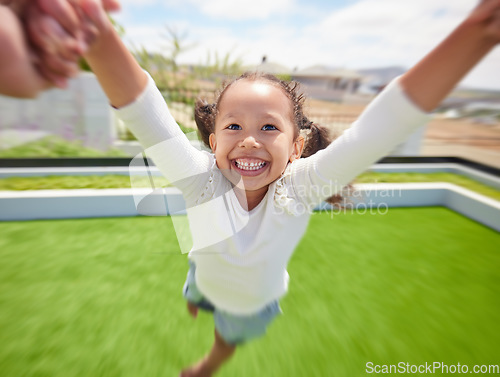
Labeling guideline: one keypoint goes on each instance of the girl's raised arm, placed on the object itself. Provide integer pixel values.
(119, 74)
(430, 80)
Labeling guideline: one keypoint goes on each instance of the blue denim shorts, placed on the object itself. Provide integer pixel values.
(234, 329)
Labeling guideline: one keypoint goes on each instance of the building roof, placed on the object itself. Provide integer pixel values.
(272, 68)
(327, 72)
(381, 76)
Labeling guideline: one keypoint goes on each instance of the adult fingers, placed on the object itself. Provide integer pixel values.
(65, 44)
(55, 66)
(63, 12)
(47, 35)
(35, 29)
(90, 32)
(58, 81)
(111, 5)
(95, 12)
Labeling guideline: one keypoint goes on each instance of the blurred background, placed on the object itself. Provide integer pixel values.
(98, 296)
(341, 52)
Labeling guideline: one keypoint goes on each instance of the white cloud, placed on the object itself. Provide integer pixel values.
(367, 33)
(241, 10)
(223, 9)
(391, 30)
(148, 37)
(126, 3)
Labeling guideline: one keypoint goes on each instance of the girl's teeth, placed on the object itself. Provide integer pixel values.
(249, 165)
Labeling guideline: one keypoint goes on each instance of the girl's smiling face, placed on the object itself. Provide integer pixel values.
(254, 136)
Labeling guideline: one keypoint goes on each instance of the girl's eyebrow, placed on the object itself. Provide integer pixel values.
(273, 118)
(228, 115)
(267, 116)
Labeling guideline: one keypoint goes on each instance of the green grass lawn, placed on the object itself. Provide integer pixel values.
(457, 179)
(70, 182)
(123, 181)
(55, 146)
(102, 297)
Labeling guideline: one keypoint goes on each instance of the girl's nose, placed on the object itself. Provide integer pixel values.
(249, 142)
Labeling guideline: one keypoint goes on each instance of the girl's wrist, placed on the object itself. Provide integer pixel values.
(99, 41)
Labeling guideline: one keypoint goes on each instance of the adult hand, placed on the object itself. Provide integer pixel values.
(60, 32)
(18, 75)
(73, 15)
(16, 6)
(55, 51)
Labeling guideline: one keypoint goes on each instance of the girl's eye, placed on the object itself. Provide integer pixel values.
(269, 127)
(234, 127)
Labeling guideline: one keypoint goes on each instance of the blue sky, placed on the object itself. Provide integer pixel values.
(300, 33)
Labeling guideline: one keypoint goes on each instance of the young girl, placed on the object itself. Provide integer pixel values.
(249, 201)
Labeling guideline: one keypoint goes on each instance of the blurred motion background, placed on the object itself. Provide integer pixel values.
(341, 52)
(102, 297)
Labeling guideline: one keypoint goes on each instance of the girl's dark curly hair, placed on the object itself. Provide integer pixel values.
(316, 138)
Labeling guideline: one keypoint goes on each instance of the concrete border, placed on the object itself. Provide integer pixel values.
(69, 204)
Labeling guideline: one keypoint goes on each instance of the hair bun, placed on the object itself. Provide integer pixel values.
(204, 116)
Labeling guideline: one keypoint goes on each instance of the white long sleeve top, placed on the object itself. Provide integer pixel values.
(241, 256)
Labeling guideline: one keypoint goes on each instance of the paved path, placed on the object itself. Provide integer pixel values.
(462, 138)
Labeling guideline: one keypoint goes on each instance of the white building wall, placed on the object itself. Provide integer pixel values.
(81, 112)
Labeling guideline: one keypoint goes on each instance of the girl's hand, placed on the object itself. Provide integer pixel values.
(119, 74)
(81, 19)
(435, 76)
(487, 15)
(56, 46)
(94, 12)
(61, 31)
